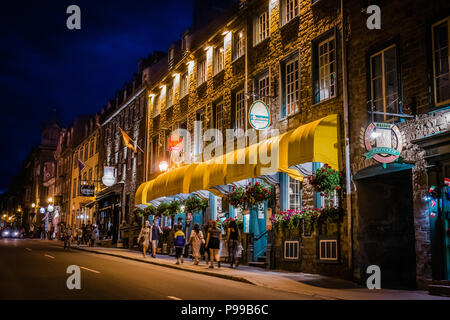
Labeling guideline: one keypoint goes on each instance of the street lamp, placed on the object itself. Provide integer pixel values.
(50, 199)
(163, 166)
(33, 205)
(108, 178)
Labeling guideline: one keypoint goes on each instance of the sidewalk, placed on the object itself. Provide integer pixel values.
(317, 286)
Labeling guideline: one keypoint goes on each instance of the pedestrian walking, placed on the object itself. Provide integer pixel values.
(233, 237)
(213, 243)
(67, 238)
(146, 235)
(156, 232)
(204, 249)
(196, 240)
(83, 234)
(94, 235)
(179, 242)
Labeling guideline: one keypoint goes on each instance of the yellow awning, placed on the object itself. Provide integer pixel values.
(317, 141)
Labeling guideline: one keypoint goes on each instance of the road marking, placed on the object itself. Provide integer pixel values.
(28, 249)
(94, 271)
(174, 298)
(49, 256)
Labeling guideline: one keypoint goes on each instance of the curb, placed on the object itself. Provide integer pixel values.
(217, 275)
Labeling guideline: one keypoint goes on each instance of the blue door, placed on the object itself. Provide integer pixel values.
(258, 228)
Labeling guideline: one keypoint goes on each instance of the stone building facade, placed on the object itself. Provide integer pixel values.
(392, 71)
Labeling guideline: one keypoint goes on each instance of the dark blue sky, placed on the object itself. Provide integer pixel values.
(45, 66)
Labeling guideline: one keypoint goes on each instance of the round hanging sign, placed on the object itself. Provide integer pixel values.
(383, 142)
(259, 115)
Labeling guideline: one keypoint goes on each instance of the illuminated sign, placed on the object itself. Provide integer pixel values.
(175, 143)
(383, 142)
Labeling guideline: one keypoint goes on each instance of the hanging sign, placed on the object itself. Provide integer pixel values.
(87, 190)
(259, 115)
(175, 143)
(383, 142)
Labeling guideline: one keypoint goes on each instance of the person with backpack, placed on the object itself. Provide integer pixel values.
(179, 242)
(196, 240)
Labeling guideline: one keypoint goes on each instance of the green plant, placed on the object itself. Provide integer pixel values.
(138, 212)
(163, 209)
(150, 210)
(194, 204)
(237, 198)
(292, 219)
(326, 180)
(251, 195)
(174, 207)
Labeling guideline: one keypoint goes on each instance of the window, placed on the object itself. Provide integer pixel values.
(328, 249)
(201, 71)
(384, 84)
(261, 27)
(441, 59)
(294, 194)
(218, 59)
(86, 146)
(90, 176)
(325, 70)
(238, 44)
(91, 148)
(264, 88)
(291, 250)
(184, 85)
(199, 131)
(154, 154)
(218, 116)
(239, 116)
(75, 159)
(291, 86)
(289, 10)
(169, 97)
(156, 105)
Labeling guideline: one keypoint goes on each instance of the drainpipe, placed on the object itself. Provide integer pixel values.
(348, 189)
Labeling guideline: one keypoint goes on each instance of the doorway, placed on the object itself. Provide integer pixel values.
(386, 228)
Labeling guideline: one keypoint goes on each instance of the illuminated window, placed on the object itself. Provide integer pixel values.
(218, 59)
(325, 70)
(201, 71)
(184, 85)
(239, 103)
(290, 86)
(238, 44)
(441, 58)
(261, 27)
(295, 194)
(169, 97)
(384, 84)
(289, 10)
(218, 117)
(264, 88)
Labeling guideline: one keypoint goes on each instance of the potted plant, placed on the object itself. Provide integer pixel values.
(250, 196)
(327, 181)
(195, 204)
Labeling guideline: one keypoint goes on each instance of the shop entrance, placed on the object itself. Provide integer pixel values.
(386, 227)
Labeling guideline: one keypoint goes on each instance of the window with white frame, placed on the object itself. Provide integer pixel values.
(384, 84)
(238, 44)
(184, 85)
(325, 84)
(291, 250)
(218, 59)
(239, 116)
(441, 61)
(201, 71)
(169, 97)
(291, 86)
(156, 105)
(199, 131)
(261, 27)
(264, 88)
(294, 194)
(328, 249)
(218, 117)
(289, 10)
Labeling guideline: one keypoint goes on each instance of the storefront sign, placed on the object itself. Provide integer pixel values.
(175, 143)
(87, 190)
(259, 115)
(383, 142)
(261, 210)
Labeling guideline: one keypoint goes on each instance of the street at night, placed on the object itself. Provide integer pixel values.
(225, 152)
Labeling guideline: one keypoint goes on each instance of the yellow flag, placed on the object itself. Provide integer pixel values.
(127, 139)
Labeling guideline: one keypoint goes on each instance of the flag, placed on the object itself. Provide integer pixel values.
(447, 181)
(127, 140)
(81, 165)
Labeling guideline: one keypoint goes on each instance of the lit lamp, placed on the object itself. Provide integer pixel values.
(50, 199)
(42, 210)
(163, 166)
(50, 208)
(33, 205)
(108, 176)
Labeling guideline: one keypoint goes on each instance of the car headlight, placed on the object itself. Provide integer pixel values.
(5, 233)
(16, 234)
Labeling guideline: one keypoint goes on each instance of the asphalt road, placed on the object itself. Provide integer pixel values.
(33, 269)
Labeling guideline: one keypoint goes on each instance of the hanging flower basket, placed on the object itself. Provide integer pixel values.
(195, 204)
(250, 196)
(326, 180)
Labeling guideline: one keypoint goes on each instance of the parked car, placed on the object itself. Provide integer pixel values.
(10, 233)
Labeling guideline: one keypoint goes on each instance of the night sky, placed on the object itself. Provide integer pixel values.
(44, 66)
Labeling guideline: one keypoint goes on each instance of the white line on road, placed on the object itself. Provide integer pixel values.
(174, 298)
(95, 271)
(49, 256)
(28, 249)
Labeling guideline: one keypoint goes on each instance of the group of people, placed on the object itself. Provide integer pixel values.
(84, 235)
(209, 245)
(149, 235)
